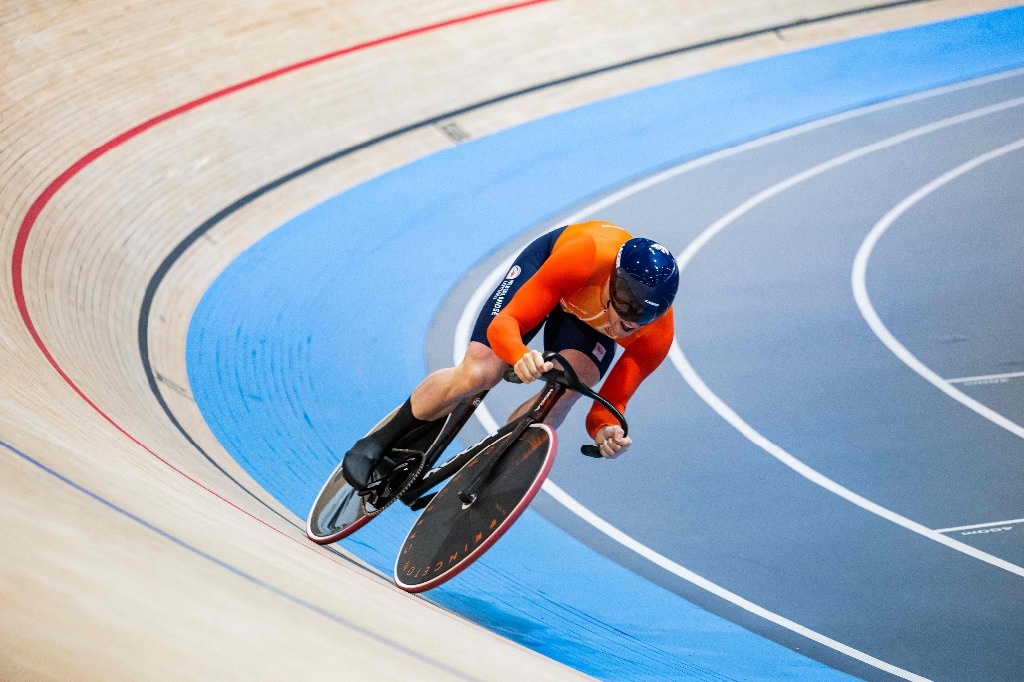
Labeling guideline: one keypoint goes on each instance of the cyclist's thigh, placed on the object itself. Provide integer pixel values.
(563, 331)
(525, 266)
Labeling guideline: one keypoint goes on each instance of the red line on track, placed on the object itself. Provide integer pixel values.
(27, 224)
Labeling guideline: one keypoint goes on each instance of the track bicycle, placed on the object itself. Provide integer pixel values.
(489, 484)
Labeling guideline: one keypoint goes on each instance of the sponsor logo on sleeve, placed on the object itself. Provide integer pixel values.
(502, 290)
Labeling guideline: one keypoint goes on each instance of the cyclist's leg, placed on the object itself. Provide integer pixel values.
(588, 351)
(441, 391)
(434, 398)
(587, 371)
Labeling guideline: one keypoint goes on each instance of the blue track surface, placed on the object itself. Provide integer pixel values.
(345, 294)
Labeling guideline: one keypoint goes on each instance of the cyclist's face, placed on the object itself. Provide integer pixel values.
(617, 326)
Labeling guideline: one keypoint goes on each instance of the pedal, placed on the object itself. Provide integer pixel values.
(392, 459)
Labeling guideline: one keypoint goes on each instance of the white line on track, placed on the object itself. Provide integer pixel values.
(698, 385)
(464, 328)
(860, 290)
(671, 566)
(986, 377)
(979, 525)
(570, 503)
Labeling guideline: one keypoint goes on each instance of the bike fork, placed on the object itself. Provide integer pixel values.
(470, 493)
(540, 409)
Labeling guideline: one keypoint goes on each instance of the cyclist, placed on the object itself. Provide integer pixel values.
(590, 285)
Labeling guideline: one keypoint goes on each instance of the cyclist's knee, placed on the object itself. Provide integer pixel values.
(585, 368)
(479, 370)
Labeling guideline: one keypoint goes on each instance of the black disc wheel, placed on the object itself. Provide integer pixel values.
(337, 511)
(450, 535)
(340, 510)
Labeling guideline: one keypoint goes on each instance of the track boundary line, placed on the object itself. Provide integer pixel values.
(860, 290)
(697, 384)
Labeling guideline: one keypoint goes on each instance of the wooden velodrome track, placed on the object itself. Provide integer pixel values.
(127, 554)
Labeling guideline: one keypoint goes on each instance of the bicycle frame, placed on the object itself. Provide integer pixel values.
(491, 484)
(414, 495)
(538, 411)
(557, 382)
(339, 510)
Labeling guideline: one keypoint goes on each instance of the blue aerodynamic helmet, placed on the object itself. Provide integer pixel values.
(645, 281)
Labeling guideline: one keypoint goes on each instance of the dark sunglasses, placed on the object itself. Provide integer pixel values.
(624, 303)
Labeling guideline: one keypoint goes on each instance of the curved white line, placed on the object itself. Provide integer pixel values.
(693, 379)
(860, 289)
(672, 567)
(816, 477)
(570, 503)
(474, 304)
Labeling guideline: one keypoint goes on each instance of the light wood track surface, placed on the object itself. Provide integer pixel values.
(158, 565)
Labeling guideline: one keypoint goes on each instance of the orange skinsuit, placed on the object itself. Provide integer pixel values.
(574, 276)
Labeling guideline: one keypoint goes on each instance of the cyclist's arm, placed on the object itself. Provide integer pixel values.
(564, 272)
(637, 363)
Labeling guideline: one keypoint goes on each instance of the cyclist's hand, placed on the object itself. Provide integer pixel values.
(612, 442)
(531, 366)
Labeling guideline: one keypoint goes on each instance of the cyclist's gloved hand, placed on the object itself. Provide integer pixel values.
(611, 441)
(531, 366)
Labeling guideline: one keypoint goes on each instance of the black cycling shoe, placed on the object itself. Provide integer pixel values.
(360, 461)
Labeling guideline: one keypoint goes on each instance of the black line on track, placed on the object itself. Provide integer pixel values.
(209, 224)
